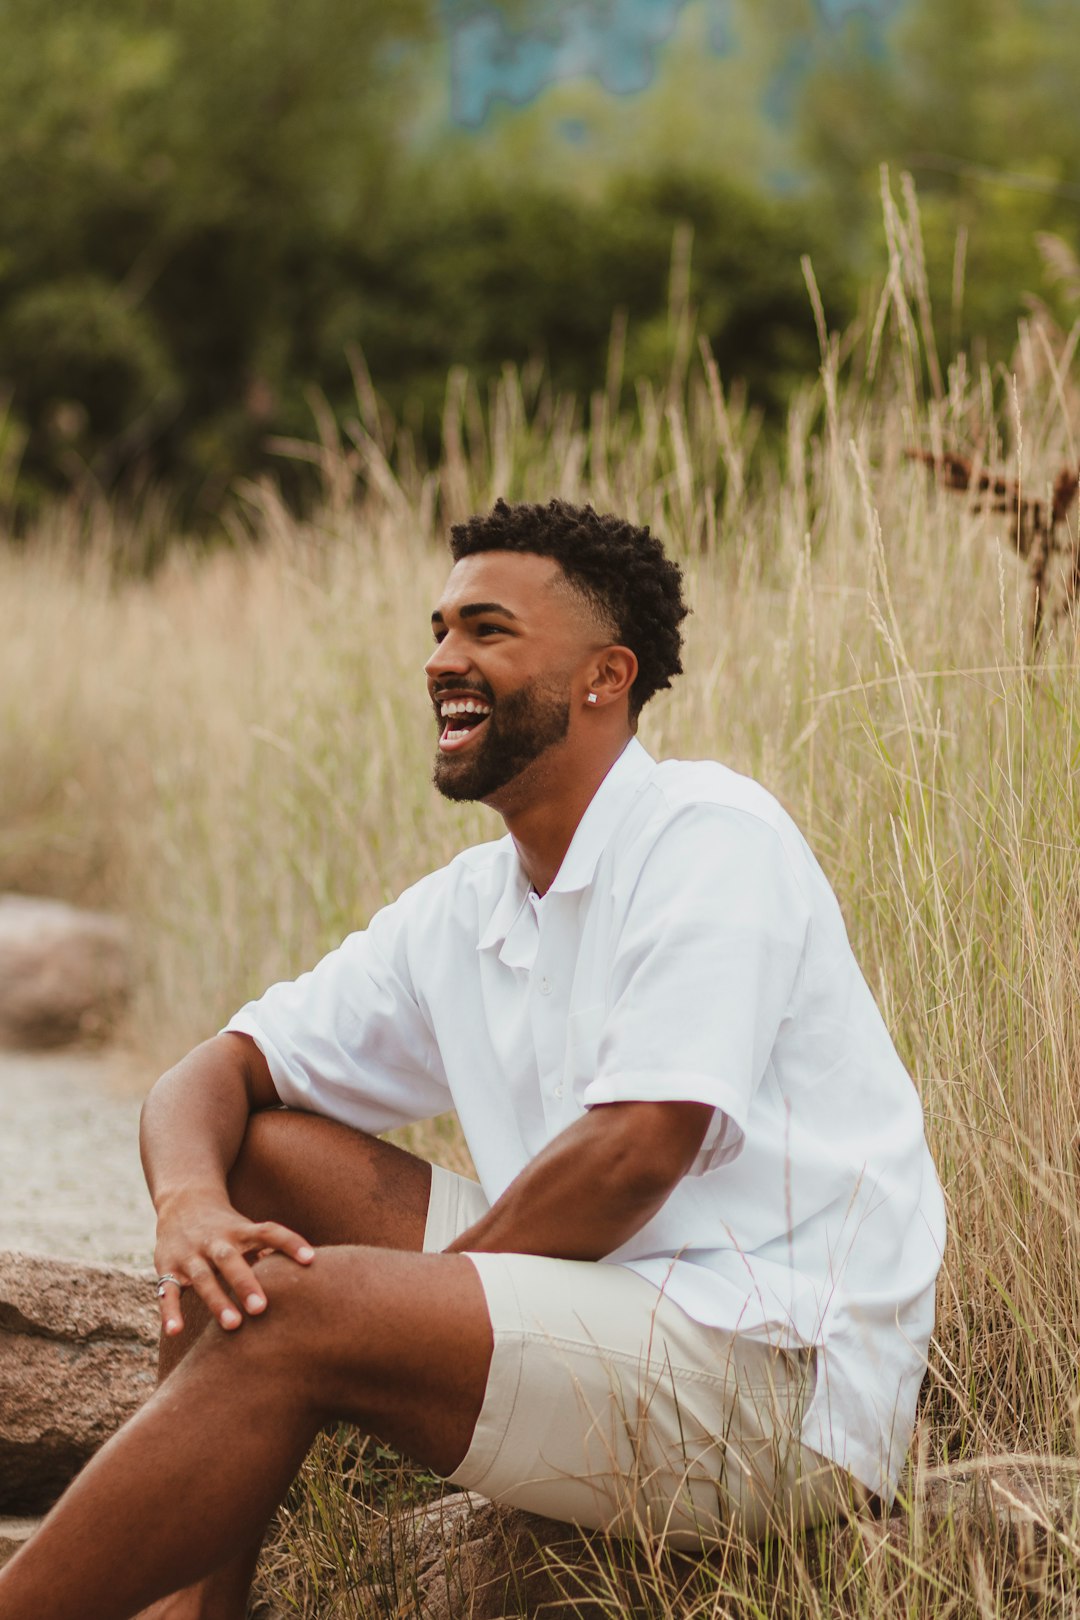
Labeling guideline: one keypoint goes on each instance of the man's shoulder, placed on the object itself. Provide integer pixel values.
(450, 904)
(482, 861)
(681, 784)
(706, 816)
(477, 864)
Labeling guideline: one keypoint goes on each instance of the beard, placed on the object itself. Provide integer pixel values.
(522, 726)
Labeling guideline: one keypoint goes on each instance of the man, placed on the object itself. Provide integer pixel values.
(694, 1285)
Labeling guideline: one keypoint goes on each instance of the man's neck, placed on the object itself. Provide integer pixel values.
(544, 806)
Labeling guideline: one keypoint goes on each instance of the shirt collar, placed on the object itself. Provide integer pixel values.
(508, 908)
(603, 814)
(605, 810)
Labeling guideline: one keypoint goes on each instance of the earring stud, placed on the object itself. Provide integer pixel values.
(591, 698)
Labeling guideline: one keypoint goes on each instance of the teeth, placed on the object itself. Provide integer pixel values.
(468, 706)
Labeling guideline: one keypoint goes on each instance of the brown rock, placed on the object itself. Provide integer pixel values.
(77, 1357)
(63, 972)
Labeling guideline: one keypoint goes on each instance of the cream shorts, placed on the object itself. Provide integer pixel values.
(608, 1407)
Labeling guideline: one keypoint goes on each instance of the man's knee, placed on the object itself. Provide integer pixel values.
(289, 1327)
(298, 1339)
(291, 1289)
(311, 1308)
(277, 1351)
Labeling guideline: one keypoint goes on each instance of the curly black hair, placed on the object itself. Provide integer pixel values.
(620, 569)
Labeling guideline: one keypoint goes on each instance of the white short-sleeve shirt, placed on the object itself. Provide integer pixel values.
(689, 949)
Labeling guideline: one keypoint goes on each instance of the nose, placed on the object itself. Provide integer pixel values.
(450, 656)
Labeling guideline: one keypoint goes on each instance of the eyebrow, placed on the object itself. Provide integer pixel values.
(473, 610)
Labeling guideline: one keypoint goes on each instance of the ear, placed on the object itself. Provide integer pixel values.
(609, 677)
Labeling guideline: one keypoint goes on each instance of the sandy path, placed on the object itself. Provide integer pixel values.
(70, 1180)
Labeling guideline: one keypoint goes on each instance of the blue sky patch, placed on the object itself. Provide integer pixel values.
(512, 55)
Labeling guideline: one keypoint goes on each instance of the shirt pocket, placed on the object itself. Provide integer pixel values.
(583, 1032)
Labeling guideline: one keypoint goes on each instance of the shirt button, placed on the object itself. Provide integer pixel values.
(545, 986)
(558, 1091)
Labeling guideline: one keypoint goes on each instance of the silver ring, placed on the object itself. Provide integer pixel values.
(162, 1283)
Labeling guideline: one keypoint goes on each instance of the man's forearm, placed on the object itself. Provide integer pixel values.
(193, 1128)
(194, 1119)
(595, 1185)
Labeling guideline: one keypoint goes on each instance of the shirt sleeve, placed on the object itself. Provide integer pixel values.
(705, 972)
(349, 1039)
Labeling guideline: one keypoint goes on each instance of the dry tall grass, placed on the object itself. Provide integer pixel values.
(236, 755)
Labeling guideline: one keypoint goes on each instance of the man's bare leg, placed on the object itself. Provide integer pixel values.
(334, 1185)
(398, 1343)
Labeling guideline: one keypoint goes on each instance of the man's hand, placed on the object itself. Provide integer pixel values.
(205, 1244)
(193, 1126)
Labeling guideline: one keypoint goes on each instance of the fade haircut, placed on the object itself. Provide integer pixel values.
(621, 570)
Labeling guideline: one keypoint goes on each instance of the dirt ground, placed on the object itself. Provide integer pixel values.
(70, 1180)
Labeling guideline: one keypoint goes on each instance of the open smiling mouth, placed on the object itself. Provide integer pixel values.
(461, 719)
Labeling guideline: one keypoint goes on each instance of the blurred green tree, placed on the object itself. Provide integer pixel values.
(977, 100)
(463, 268)
(206, 206)
(173, 174)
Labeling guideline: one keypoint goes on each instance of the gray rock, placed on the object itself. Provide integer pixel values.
(463, 1555)
(78, 1356)
(1004, 1498)
(64, 973)
(14, 1533)
(1012, 1512)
